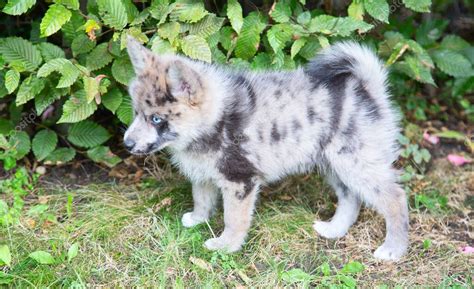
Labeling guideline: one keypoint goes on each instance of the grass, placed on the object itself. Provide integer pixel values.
(131, 236)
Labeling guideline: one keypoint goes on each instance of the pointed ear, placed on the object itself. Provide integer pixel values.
(139, 55)
(184, 82)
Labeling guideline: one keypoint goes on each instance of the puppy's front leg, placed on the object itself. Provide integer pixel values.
(205, 200)
(239, 203)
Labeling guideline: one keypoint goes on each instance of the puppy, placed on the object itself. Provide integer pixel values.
(232, 131)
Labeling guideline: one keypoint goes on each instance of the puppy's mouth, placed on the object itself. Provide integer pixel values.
(150, 149)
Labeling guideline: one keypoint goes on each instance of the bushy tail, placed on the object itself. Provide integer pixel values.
(349, 59)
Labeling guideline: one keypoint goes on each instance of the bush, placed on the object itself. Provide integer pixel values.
(65, 69)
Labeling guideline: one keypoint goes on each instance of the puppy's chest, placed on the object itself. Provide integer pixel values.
(196, 166)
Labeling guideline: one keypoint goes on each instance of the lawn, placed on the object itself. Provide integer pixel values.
(130, 235)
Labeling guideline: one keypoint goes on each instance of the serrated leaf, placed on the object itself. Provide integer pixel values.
(91, 87)
(12, 79)
(30, 87)
(296, 46)
(20, 142)
(337, 26)
(72, 252)
(353, 267)
(56, 16)
(378, 9)
(196, 47)
(82, 44)
(454, 42)
(131, 9)
(125, 111)
(50, 51)
(160, 46)
(281, 12)
(113, 13)
(44, 143)
(169, 30)
(188, 11)
(418, 5)
(304, 18)
(87, 134)
(5, 255)
(102, 154)
(16, 49)
(18, 7)
(52, 65)
(452, 63)
(49, 95)
(356, 10)
(311, 47)
(73, 4)
(278, 35)
(234, 13)
(249, 38)
(77, 108)
(42, 257)
(60, 156)
(69, 72)
(207, 26)
(412, 67)
(99, 57)
(122, 70)
(112, 99)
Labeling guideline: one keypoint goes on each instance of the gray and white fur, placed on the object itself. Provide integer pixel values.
(232, 131)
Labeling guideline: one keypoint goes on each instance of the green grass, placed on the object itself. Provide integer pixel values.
(132, 236)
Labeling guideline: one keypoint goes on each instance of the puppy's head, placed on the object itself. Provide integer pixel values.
(166, 94)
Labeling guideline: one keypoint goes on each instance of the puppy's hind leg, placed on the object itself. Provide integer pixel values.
(205, 199)
(346, 214)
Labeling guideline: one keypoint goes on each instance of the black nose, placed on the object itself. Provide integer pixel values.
(129, 144)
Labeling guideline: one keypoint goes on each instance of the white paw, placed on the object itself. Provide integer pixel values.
(390, 252)
(328, 230)
(188, 220)
(221, 244)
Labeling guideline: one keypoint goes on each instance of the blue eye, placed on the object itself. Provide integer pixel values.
(156, 119)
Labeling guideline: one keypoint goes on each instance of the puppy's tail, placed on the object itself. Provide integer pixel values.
(349, 60)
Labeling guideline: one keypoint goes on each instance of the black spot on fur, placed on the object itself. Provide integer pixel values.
(249, 185)
(296, 125)
(210, 141)
(367, 102)
(275, 134)
(148, 102)
(311, 114)
(278, 94)
(244, 84)
(260, 135)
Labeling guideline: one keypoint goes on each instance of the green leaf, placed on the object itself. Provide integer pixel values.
(72, 252)
(309, 50)
(196, 47)
(125, 111)
(356, 10)
(249, 38)
(82, 44)
(29, 88)
(378, 9)
(169, 30)
(304, 18)
(281, 12)
(42, 257)
(131, 9)
(418, 5)
(18, 7)
(16, 49)
(52, 65)
(91, 87)
(5, 255)
(207, 26)
(188, 11)
(87, 134)
(60, 156)
(454, 42)
(20, 142)
(278, 35)
(56, 16)
(415, 69)
(99, 57)
(452, 63)
(12, 79)
(353, 267)
(50, 51)
(451, 134)
(337, 26)
(160, 46)
(234, 13)
(122, 70)
(112, 99)
(44, 143)
(69, 72)
(72, 4)
(102, 154)
(113, 13)
(77, 108)
(296, 275)
(296, 46)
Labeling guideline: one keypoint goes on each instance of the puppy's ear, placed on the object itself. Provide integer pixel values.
(139, 55)
(184, 82)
